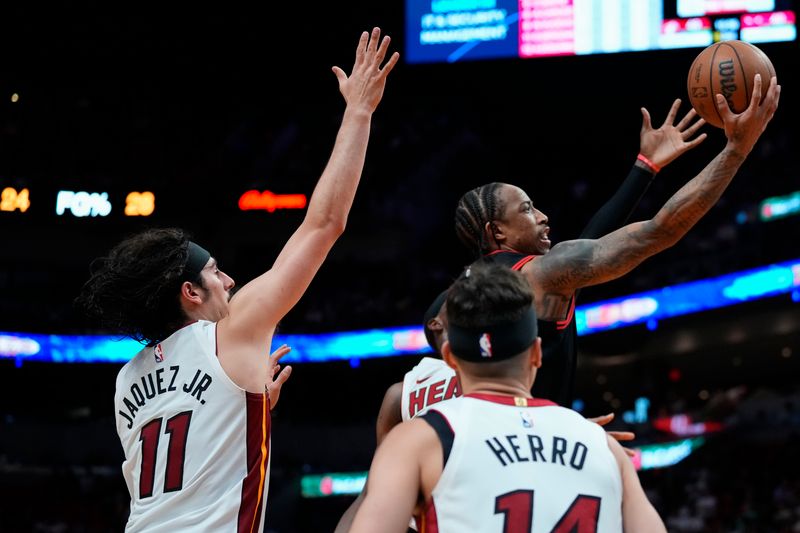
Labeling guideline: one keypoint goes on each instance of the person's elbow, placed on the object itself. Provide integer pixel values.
(660, 234)
(332, 224)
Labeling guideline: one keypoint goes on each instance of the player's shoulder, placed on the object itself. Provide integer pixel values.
(428, 364)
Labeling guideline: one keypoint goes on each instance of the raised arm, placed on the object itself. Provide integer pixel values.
(638, 514)
(660, 147)
(259, 305)
(571, 265)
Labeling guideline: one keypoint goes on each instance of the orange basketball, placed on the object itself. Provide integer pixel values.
(726, 68)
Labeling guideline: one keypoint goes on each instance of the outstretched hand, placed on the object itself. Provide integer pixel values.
(618, 435)
(667, 143)
(744, 129)
(274, 383)
(364, 87)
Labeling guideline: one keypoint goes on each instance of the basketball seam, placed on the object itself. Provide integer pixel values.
(747, 92)
(711, 84)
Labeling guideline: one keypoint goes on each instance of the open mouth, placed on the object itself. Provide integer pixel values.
(545, 238)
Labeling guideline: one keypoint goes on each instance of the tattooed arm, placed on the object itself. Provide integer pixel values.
(581, 263)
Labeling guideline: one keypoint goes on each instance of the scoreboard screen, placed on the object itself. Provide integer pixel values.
(439, 31)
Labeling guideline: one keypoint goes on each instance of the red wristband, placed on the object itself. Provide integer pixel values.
(655, 168)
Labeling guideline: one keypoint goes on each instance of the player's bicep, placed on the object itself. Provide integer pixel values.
(393, 483)
(638, 514)
(571, 265)
(390, 414)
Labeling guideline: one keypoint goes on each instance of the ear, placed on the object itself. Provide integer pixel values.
(447, 355)
(190, 293)
(536, 353)
(494, 232)
(435, 324)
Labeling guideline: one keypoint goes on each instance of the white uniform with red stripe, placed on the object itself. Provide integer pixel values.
(196, 445)
(428, 383)
(524, 465)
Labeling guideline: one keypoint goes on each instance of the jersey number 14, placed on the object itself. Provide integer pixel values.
(517, 506)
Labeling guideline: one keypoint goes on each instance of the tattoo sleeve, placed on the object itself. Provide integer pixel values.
(580, 263)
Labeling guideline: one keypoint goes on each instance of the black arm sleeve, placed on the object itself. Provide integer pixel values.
(619, 208)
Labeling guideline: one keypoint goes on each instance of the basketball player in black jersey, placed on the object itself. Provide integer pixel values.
(500, 224)
(657, 146)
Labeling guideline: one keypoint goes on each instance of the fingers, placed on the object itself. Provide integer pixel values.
(282, 377)
(381, 53)
(280, 352)
(687, 119)
(694, 142)
(340, 75)
(622, 435)
(755, 99)
(629, 452)
(673, 112)
(646, 124)
(725, 112)
(373, 41)
(694, 127)
(362, 47)
(773, 96)
(387, 68)
(602, 420)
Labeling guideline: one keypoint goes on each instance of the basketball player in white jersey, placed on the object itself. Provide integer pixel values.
(192, 411)
(496, 459)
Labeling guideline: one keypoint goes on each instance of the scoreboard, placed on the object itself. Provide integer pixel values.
(459, 30)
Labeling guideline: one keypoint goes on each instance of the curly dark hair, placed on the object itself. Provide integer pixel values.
(134, 291)
(475, 208)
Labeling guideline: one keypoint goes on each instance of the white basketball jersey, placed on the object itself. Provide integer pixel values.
(428, 383)
(197, 447)
(524, 465)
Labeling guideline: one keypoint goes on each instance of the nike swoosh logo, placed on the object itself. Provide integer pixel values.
(426, 378)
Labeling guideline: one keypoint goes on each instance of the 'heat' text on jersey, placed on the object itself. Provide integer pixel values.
(436, 392)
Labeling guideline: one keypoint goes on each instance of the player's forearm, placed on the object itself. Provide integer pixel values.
(616, 211)
(333, 196)
(696, 198)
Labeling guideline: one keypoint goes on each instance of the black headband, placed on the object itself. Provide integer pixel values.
(493, 343)
(434, 308)
(196, 261)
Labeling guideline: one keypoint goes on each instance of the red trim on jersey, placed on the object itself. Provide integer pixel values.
(495, 253)
(253, 486)
(561, 324)
(429, 523)
(509, 400)
(522, 262)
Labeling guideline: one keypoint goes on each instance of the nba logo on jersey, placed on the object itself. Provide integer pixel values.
(158, 353)
(485, 343)
(527, 421)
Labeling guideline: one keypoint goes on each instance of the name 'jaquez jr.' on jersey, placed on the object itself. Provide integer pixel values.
(197, 447)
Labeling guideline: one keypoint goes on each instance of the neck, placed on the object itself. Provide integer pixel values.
(502, 387)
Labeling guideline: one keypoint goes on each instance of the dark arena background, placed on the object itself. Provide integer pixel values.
(191, 108)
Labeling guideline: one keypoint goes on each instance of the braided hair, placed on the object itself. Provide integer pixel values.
(474, 210)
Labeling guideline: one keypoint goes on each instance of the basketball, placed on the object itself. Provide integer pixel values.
(727, 68)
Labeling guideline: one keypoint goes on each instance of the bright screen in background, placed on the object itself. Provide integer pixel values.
(461, 30)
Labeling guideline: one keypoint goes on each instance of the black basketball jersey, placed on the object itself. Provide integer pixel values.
(556, 378)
